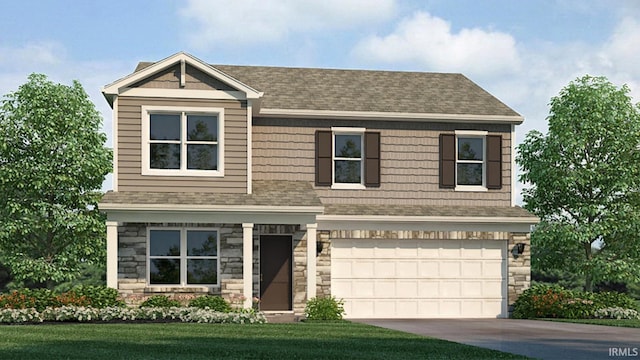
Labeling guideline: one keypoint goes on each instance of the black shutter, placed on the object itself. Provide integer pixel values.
(323, 158)
(494, 161)
(372, 159)
(447, 161)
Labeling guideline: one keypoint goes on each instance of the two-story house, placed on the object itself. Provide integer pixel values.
(391, 190)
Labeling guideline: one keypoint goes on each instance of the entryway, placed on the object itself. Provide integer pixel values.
(276, 272)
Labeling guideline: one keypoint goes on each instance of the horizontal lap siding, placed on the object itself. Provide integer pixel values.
(130, 176)
(409, 163)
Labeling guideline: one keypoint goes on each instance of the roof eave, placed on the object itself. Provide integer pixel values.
(392, 116)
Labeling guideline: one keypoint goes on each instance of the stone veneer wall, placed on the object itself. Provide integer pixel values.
(518, 270)
(132, 264)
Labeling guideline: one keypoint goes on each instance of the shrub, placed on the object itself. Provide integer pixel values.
(160, 301)
(99, 296)
(614, 299)
(215, 303)
(540, 301)
(29, 298)
(553, 301)
(616, 313)
(84, 314)
(324, 308)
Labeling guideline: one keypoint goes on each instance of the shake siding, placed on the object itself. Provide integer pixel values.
(409, 163)
(130, 176)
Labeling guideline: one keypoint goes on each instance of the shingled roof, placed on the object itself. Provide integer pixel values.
(367, 91)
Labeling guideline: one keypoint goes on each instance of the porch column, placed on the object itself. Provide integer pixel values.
(247, 264)
(311, 260)
(112, 254)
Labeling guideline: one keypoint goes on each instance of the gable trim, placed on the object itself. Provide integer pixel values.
(118, 86)
(400, 116)
(183, 94)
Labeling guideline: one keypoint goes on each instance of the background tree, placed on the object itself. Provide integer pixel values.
(585, 176)
(52, 161)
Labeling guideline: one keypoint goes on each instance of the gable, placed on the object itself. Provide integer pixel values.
(195, 79)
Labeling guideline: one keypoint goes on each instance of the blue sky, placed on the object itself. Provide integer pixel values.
(523, 52)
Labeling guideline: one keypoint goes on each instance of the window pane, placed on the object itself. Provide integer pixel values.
(347, 171)
(164, 156)
(202, 157)
(470, 148)
(164, 126)
(348, 146)
(164, 271)
(202, 243)
(469, 174)
(202, 127)
(164, 243)
(202, 271)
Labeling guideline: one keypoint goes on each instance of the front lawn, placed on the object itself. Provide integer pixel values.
(632, 323)
(227, 341)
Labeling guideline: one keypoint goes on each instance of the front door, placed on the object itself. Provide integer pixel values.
(275, 272)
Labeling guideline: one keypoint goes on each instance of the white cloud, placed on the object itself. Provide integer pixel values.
(429, 42)
(264, 21)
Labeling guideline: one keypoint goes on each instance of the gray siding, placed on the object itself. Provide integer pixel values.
(285, 150)
(130, 176)
(194, 80)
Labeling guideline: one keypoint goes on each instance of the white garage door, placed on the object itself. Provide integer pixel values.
(420, 278)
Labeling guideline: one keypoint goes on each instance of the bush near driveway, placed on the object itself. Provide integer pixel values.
(553, 301)
(324, 308)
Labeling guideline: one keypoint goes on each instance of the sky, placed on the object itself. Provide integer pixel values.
(522, 51)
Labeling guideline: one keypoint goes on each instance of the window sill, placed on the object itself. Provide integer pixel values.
(179, 288)
(471, 188)
(348, 187)
(196, 173)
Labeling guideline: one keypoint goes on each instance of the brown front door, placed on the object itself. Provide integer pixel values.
(275, 272)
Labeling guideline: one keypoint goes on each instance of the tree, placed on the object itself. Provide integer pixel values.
(52, 162)
(585, 180)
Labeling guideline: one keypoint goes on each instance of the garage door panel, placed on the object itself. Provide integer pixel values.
(471, 268)
(429, 267)
(363, 268)
(363, 288)
(407, 269)
(385, 288)
(419, 278)
(449, 269)
(385, 268)
(429, 288)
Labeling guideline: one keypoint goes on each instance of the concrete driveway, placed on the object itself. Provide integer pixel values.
(536, 339)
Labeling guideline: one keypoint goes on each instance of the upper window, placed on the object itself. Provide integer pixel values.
(347, 158)
(183, 257)
(182, 141)
(470, 160)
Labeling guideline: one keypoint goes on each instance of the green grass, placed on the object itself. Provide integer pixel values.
(214, 341)
(607, 322)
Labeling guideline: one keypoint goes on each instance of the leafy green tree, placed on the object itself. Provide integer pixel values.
(52, 162)
(585, 176)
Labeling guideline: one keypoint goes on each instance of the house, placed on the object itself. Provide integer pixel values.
(391, 190)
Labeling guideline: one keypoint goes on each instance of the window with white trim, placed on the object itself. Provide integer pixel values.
(183, 256)
(182, 141)
(470, 161)
(347, 159)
